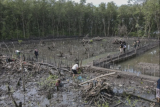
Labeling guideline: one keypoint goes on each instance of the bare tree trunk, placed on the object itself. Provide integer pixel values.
(23, 25)
(79, 28)
(57, 31)
(158, 25)
(69, 28)
(108, 27)
(38, 28)
(104, 27)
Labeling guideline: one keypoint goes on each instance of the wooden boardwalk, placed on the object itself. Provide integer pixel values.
(106, 62)
(142, 76)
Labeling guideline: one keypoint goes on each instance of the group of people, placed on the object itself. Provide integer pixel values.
(122, 46)
(136, 44)
(18, 53)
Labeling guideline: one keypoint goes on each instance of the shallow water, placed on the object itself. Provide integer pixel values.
(130, 65)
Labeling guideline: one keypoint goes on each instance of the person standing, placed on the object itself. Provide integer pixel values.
(134, 44)
(158, 90)
(18, 53)
(74, 69)
(58, 84)
(121, 48)
(138, 42)
(124, 48)
(36, 53)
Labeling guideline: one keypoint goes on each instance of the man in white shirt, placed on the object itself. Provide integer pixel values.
(74, 69)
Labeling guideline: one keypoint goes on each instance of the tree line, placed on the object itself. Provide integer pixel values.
(21, 19)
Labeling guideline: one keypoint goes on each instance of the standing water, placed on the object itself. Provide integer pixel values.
(146, 63)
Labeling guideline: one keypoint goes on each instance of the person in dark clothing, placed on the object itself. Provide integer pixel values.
(36, 53)
(58, 84)
(135, 44)
(124, 43)
(138, 42)
(158, 90)
(9, 60)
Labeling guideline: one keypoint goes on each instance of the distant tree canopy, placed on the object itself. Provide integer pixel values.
(20, 19)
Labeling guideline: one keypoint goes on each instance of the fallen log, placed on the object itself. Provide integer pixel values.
(129, 94)
(97, 78)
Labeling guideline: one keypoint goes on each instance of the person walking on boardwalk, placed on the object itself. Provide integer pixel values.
(36, 53)
(138, 42)
(134, 44)
(124, 48)
(158, 90)
(121, 48)
(74, 69)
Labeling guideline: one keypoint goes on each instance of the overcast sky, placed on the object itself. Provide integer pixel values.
(97, 2)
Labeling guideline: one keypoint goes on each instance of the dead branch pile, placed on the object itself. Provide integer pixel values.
(17, 64)
(98, 93)
(85, 41)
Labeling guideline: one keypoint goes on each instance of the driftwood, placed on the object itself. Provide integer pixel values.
(97, 78)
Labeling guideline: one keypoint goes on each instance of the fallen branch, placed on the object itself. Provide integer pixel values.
(97, 78)
(117, 104)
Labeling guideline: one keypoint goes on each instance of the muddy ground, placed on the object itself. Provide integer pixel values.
(67, 51)
(40, 90)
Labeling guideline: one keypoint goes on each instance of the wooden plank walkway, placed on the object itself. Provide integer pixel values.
(106, 62)
(142, 76)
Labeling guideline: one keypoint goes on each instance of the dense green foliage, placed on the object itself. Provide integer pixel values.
(21, 19)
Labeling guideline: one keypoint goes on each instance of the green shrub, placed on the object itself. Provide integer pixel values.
(20, 41)
(132, 34)
(91, 41)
